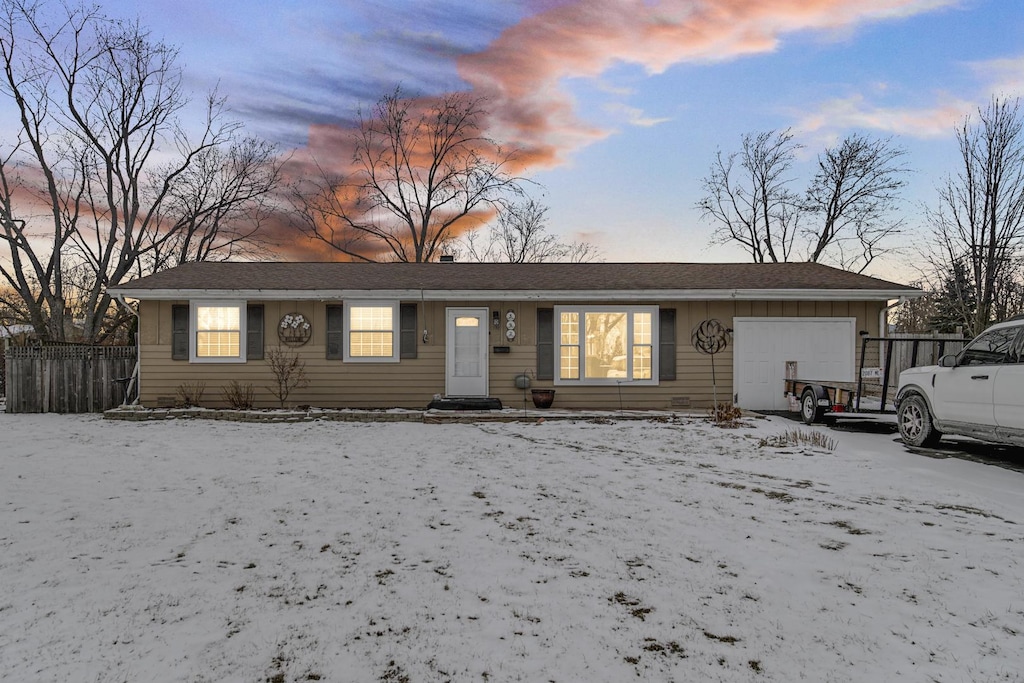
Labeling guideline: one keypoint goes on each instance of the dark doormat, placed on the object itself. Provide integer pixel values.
(474, 403)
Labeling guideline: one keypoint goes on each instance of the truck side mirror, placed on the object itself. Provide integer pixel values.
(948, 361)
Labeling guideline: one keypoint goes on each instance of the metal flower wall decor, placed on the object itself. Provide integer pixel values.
(711, 337)
(294, 330)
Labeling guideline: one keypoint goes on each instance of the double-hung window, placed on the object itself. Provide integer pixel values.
(372, 331)
(606, 344)
(218, 332)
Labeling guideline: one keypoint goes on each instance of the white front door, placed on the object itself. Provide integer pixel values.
(466, 352)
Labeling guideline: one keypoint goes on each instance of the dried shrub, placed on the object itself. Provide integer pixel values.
(798, 437)
(726, 415)
(289, 373)
(239, 396)
(189, 394)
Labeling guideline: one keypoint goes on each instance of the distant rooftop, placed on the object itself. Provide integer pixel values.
(13, 330)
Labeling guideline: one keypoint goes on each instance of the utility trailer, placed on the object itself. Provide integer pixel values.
(820, 401)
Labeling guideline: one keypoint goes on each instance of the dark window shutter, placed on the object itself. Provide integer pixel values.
(335, 331)
(667, 343)
(545, 343)
(254, 332)
(179, 332)
(407, 325)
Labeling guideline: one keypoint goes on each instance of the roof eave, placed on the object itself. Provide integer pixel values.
(519, 295)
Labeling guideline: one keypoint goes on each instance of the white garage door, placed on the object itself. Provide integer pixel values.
(822, 347)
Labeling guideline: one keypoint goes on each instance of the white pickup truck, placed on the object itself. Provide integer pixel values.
(978, 392)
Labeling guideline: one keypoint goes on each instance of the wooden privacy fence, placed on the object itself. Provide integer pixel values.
(918, 350)
(882, 359)
(66, 379)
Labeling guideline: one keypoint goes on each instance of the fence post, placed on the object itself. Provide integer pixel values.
(888, 368)
(44, 377)
(860, 373)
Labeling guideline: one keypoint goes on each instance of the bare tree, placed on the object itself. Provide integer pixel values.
(917, 314)
(978, 224)
(289, 373)
(752, 205)
(844, 217)
(11, 307)
(89, 194)
(851, 200)
(419, 169)
(520, 235)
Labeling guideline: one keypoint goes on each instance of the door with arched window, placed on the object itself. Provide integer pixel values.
(466, 352)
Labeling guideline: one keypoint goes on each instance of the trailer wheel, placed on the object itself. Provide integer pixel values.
(810, 411)
(915, 423)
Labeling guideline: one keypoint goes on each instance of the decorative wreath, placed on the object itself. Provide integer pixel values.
(294, 330)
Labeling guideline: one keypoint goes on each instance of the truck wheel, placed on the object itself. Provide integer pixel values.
(810, 411)
(915, 422)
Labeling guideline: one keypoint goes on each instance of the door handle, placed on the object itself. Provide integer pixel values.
(979, 376)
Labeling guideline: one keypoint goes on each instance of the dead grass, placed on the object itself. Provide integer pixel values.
(798, 437)
(849, 528)
(726, 415)
(637, 611)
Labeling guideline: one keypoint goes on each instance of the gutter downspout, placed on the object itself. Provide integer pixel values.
(423, 312)
(138, 350)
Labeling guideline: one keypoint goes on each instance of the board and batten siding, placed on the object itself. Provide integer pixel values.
(412, 382)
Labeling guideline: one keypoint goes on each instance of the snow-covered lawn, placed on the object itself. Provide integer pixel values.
(561, 551)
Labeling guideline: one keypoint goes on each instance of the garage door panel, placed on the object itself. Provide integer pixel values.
(822, 347)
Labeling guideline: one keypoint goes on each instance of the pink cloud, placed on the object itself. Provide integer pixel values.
(1006, 75)
(1001, 77)
(520, 73)
(855, 112)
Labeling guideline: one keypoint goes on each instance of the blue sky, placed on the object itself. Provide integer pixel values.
(627, 101)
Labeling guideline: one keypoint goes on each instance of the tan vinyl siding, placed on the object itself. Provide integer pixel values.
(693, 369)
(412, 383)
(332, 383)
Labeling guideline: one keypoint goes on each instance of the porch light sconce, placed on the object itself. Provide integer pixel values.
(426, 336)
(496, 319)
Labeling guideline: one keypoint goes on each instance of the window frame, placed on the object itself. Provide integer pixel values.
(630, 312)
(349, 307)
(986, 357)
(193, 332)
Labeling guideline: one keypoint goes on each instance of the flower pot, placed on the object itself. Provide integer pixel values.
(543, 398)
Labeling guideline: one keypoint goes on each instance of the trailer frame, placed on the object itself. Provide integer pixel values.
(823, 400)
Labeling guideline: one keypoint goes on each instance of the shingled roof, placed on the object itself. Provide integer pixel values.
(277, 280)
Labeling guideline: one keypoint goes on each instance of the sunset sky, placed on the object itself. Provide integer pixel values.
(620, 104)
